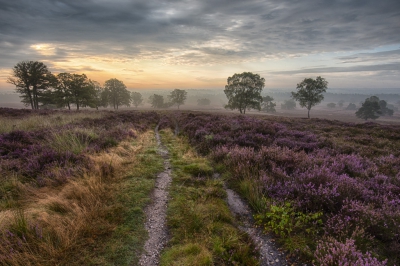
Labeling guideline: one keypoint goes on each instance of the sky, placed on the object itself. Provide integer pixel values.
(151, 44)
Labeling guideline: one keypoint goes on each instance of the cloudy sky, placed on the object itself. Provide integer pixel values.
(200, 43)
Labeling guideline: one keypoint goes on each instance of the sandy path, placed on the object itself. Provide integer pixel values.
(269, 255)
(156, 212)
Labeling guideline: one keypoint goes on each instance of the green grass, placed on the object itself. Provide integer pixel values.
(202, 228)
(133, 193)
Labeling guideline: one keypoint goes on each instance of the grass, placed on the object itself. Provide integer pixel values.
(202, 228)
(37, 121)
(94, 219)
(75, 140)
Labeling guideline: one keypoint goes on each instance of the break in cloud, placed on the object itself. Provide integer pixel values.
(201, 33)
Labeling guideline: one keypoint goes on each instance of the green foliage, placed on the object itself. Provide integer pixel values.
(178, 97)
(136, 98)
(351, 106)
(288, 104)
(31, 79)
(370, 109)
(244, 91)
(284, 221)
(116, 93)
(310, 92)
(201, 225)
(156, 101)
(198, 169)
(74, 89)
(188, 254)
(268, 105)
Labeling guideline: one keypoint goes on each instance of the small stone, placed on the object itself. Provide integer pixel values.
(277, 260)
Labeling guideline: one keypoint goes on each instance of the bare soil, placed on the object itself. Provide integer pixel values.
(269, 254)
(156, 212)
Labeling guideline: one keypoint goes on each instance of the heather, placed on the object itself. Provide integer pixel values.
(52, 155)
(73, 186)
(328, 189)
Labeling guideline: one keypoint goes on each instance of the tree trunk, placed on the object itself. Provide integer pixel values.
(308, 113)
(28, 91)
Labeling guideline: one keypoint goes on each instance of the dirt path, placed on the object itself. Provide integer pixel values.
(269, 255)
(156, 212)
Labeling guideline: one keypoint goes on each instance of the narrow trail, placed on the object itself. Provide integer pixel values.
(269, 255)
(156, 212)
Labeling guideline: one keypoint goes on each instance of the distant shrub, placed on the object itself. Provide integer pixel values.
(288, 104)
(351, 107)
(331, 105)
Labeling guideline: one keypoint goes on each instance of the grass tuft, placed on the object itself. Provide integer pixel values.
(201, 225)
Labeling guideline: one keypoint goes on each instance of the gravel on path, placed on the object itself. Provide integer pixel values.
(269, 254)
(156, 212)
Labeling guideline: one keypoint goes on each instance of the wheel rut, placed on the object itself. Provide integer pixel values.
(156, 212)
(269, 254)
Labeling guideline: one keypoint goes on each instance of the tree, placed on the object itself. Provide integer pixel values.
(156, 101)
(288, 104)
(31, 79)
(340, 103)
(203, 102)
(75, 89)
(63, 94)
(136, 98)
(244, 91)
(370, 109)
(351, 106)
(117, 94)
(384, 108)
(331, 105)
(99, 99)
(309, 92)
(177, 97)
(267, 104)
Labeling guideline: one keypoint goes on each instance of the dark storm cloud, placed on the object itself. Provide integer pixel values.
(250, 29)
(368, 57)
(375, 68)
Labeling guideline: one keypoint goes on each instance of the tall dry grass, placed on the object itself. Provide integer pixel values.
(62, 225)
(34, 122)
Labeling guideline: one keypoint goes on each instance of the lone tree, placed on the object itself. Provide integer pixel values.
(31, 79)
(370, 109)
(156, 101)
(244, 91)
(116, 92)
(309, 92)
(136, 98)
(177, 97)
(268, 105)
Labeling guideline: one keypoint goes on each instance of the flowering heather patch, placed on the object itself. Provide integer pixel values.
(348, 172)
(58, 153)
(11, 112)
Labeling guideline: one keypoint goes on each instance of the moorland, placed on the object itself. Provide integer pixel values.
(74, 186)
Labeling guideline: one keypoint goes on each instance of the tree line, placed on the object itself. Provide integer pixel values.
(40, 88)
(244, 92)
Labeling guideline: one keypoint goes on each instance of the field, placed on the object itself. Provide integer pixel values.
(73, 184)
